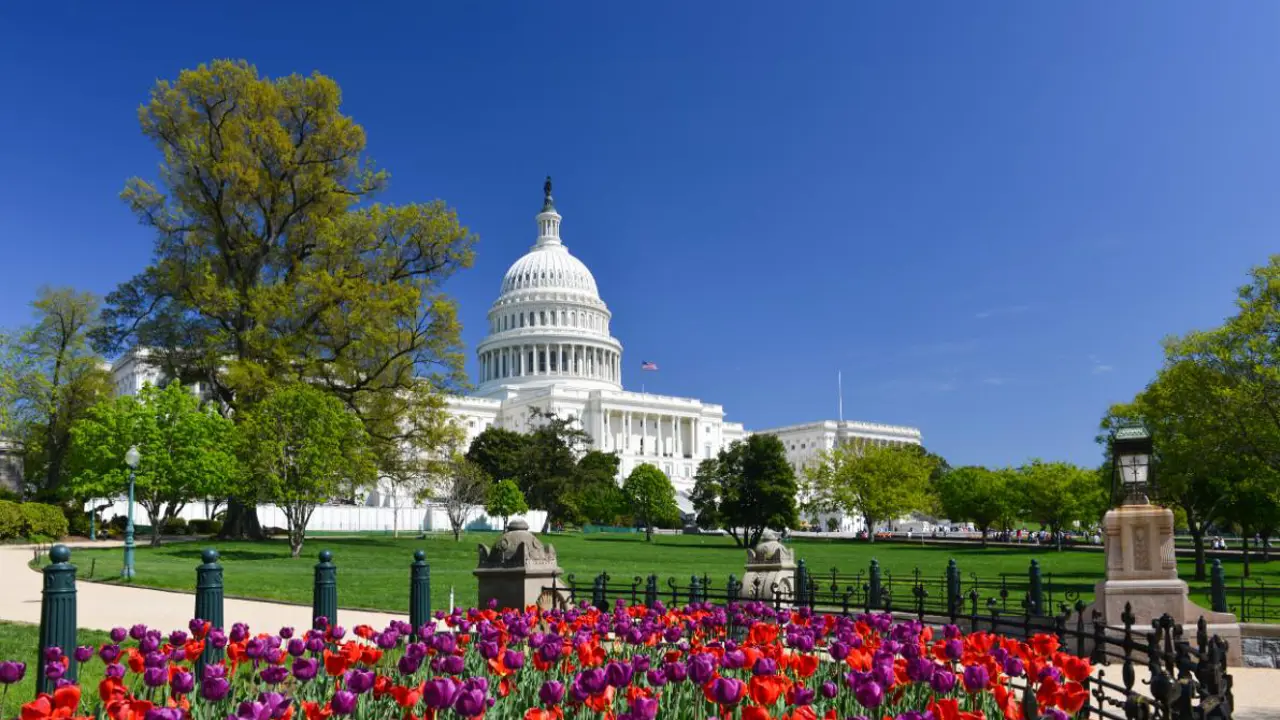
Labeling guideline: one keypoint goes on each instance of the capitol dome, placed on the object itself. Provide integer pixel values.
(548, 325)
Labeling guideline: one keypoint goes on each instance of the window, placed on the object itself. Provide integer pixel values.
(542, 317)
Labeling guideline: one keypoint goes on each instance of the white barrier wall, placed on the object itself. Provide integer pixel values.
(350, 518)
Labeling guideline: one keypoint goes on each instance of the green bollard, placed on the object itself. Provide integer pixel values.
(419, 591)
(874, 591)
(953, 589)
(1035, 598)
(324, 597)
(209, 594)
(57, 615)
(1218, 587)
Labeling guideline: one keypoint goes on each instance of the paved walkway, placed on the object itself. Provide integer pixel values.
(102, 607)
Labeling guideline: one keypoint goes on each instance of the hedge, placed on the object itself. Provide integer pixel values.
(18, 520)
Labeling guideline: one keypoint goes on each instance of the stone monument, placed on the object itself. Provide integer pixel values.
(770, 565)
(516, 570)
(1142, 572)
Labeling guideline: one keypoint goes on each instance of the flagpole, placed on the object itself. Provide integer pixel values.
(840, 393)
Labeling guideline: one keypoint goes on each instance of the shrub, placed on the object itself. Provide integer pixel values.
(78, 523)
(11, 522)
(205, 527)
(45, 520)
(10, 495)
(174, 526)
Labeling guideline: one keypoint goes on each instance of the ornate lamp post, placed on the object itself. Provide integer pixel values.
(1131, 477)
(131, 458)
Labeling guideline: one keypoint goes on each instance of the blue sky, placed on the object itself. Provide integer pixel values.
(985, 214)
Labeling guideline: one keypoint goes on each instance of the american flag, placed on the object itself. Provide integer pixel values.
(648, 365)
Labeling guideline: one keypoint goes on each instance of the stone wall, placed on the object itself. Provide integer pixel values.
(10, 467)
(1261, 645)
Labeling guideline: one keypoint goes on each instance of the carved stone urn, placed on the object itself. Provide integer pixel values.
(518, 570)
(771, 566)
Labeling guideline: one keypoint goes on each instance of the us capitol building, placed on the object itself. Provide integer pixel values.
(549, 347)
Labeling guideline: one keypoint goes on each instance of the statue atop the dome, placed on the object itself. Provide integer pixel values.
(548, 205)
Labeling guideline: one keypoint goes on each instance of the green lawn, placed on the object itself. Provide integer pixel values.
(373, 570)
(18, 642)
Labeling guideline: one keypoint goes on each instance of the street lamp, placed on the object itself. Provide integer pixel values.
(131, 458)
(1131, 476)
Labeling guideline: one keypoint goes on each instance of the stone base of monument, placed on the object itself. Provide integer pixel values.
(771, 566)
(1142, 574)
(517, 571)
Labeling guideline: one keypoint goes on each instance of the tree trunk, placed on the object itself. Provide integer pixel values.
(1244, 551)
(1266, 546)
(648, 532)
(1197, 541)
(241, 522)
(295, 543)
(871, 528)
(395, 521)
(984, 537)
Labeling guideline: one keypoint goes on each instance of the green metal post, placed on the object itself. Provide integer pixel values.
(209, 594)
(419, 590)
(801, 594)
(1218, 587)
(57, 615)
(324, 597)
(874, 592)
(695, 589)
(93, 525)
(127, 573)
(953, 588)
(597, 592)
(733, 590)
(651, 591)
(1035, 598)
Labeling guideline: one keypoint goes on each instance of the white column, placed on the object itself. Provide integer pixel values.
(644, 432)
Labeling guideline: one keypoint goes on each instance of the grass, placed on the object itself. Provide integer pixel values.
(373, 570)
(18, 642)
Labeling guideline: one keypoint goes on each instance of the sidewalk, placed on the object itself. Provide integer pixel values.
(101, 606)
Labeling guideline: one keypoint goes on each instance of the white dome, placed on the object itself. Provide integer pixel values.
(549, 267)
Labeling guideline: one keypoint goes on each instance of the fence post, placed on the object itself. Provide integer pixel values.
(209, 594)
(324, 596)
(57, 615)
(873, 589)
(1035, 605)
(419, 590)
(1218, 587)
(695, 589)
(651, 591)
(953, 589)
(597, 592)
(731, 590)
(799, 597)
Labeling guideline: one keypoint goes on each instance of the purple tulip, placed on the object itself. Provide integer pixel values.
(276, 703)
(641, 663)
(239, 631)
(286, 633)
(118, 634)
(195, 625)
(1050, 672)
(337, 632)
(359, 681)
(214, 689)
(1013, 667)
(727, 691)
(54, 670)
(642, 708)
(869, 694)
(954, 649)
(802, 695)
(976, 678)
(297, 647)
(1054, 714)
(452, 665)
(470, 702)
(734, 659)
(343, 702)
(217, 638)
(440, 692)
(155, 677)
(155, 660)
(315, 645)
(12, 672)
(513, 659)
(177, 637)
(839, 651)
(920, 669)
(829, 689)
(320, 623)
(137, 632)
(551, 693)
(182, 683)
(275, 674)
(765, 666)
(53, 653)
(656, 678)
(408, 665)
(942, 681)
(115, 671)
(305, 668)
(675, 671)
(618, 674)
(593, 681)
(163, 713)
(148, 644)
(83, 653)
(701, 668)
(387, 640)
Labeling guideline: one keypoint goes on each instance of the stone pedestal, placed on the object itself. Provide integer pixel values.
(517, 569)
(770, 565)
(1142, 573)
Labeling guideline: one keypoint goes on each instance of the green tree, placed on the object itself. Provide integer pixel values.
(652, 497)
(461, 486)
(272, 263)
(505, 500)
(1058, 494)
(756, 488)
(596, 497)
(49, 378)
(705, 496)
(549, 475)
(499, 452)
(877, 483)
(186, 451)
(978, 495)
(300, 445)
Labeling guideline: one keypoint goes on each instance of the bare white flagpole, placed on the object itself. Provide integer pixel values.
(840, 393)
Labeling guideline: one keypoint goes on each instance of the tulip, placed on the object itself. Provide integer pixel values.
(643, 708)
(53, 653)
(297, 647)
(343, 702)
(470, 703)
(214, 689)
(675, 671)
(452, 665)
(920, 669)
(440, 692)
(148, 644)
(286, 633)
(513, 659)
(177, 637)
(12, 672)
(305, 669)
(656, 678)
(734, 659)
(618, 674)
(551, 693)
(408, 665)
(727, 691)
(115, 671)
(869, 694)
(765, 666)
(801, 695)
(838, 650)
(954, 649)
(274, 674)
(182, 682)
(155, 677)
(1013, 667)
(54, 670)
(829, 689)
(976, 678)
(217, 638)
(163, 713)
(137, 632)
(359, 681)
(239, 632)
(592, 681)
(118, 634)
(701, 668)
(942, 681)
(83, 653)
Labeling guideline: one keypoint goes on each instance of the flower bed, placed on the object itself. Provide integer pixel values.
(633, 663)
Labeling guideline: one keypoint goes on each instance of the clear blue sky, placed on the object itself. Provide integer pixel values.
(986, 214)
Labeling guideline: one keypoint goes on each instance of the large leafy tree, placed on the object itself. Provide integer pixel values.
(705, 495)
(504, 500)
(749, 488)
(50, 378)
(499, 452)
(300, 447)
(186, 451)
(549, 475)
(652, 498)
(979, 495)
(273, 264)
(461, 486)
(1058, 494)
(877, 483)
(595, 496)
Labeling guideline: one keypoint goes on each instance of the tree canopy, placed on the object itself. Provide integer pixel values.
(273, 264)
(750, 487)
(877, 483)
(505, 500)
(1058, 494)
(300, 446)
(187, 451)
(652, 498)
(979, 495)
